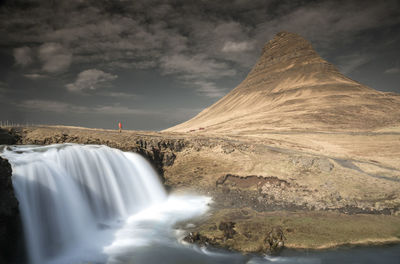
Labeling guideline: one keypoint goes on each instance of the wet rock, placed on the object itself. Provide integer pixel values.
(227, 229)
(6, 138)
(10, 221)
(197, 238)
(274, 240)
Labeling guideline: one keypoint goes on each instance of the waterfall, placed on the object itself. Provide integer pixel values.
(93, 204)
(73, 198)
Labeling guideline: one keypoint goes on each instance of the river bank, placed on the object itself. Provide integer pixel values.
(314, 230)
(323, 189)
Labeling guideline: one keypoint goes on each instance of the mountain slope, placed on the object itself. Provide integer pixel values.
(292, 88)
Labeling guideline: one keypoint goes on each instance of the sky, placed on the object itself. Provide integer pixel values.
(152, 64)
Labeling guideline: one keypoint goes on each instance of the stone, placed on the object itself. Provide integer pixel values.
(323, 165)
(227, 229)
(275, 239)
(228, 149)
(196, 237)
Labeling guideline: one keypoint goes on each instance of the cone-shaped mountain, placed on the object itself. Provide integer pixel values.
(292, 88)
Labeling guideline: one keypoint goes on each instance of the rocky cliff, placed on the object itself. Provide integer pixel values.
(10, 221)
(248, 172)
(292, 88)
(6, 137)
(158, 150)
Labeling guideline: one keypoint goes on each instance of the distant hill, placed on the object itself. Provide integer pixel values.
(292, 88)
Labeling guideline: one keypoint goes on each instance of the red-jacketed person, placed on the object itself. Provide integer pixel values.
(120, 127)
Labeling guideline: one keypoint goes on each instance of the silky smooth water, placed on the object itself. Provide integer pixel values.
(95, 204)
(73, 197)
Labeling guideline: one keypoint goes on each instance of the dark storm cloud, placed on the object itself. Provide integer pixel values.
(3, 88)
(392, 71)
(202, 47)
(23, 56)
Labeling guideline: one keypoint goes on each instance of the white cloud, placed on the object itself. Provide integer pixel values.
(119, 110)
(329, 23)
(48, 106)
(189, 40)
(23, 56)
(35, 76)
(394, 70)
(55, 57)
(133, 64)
(231, 46)
(209, 89)
(349, 63)
(90, 79)
(196, 71)
(62, 107)
(195, 66)
(119, 95)
(223, 41)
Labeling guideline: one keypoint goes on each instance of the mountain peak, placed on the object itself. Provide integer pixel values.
(288, 40)
(289, 45)
(292, 87)
(291, 53)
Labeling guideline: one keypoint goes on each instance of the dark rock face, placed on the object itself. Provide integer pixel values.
(196, 237)
(6, 138)
(275, 240)
(159, 151)
(227, 228)
(10, 221)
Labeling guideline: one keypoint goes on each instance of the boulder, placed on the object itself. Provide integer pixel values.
(197, 238)
(274, 241)
(227, 229)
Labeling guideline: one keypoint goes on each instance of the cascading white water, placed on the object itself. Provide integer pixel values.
(93, 204)
(72, 197)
